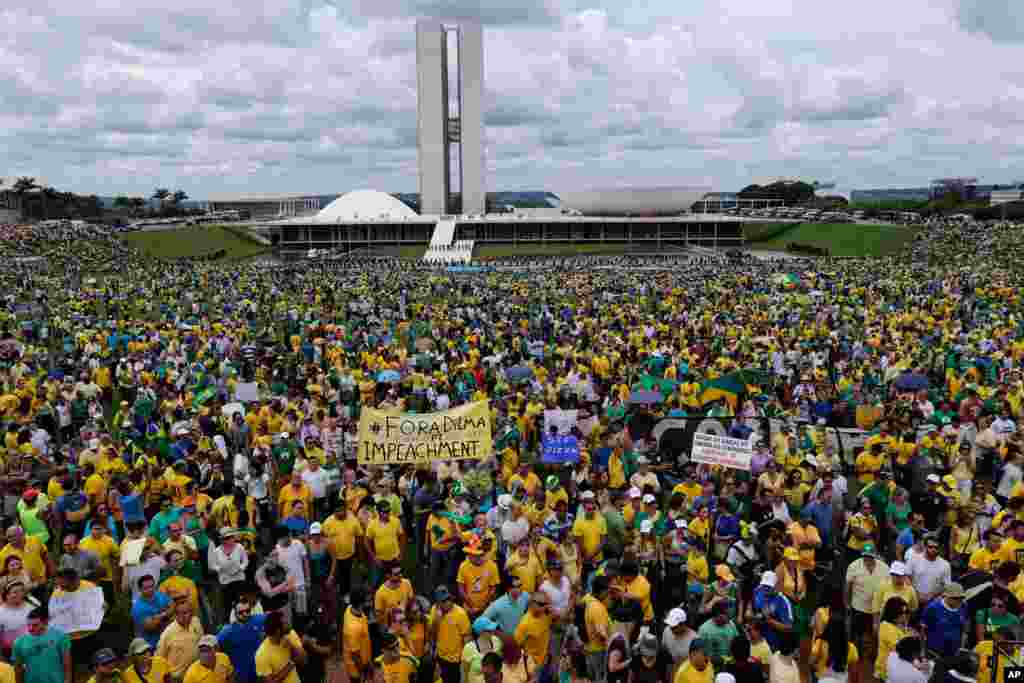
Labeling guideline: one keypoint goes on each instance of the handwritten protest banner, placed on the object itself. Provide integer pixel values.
(562, 420)
(557, 450)
(462, 433)
(712, 449)
(77, 612)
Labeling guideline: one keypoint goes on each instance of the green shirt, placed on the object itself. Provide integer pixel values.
(717, 639)
(991, 622)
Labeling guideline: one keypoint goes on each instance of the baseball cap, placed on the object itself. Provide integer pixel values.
(646, 526)
(104, 656)
(934, 479)
(768, 579)
(587, 495)
(643, 460)
(868, 550)
(208, 641)
(725, 677)
(954, 590)
(898, 569)
(315, 528)
(505, 500)
(441, 594)
(139, 646)
(697, 644)
(635, 493)
(649, 498)
(482, 624)
(675, 617)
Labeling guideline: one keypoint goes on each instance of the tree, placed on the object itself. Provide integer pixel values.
(178, 197)
(795, 192)
(122, 203)
(161, 194)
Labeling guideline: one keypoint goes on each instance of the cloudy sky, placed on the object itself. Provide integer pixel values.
(320, 96)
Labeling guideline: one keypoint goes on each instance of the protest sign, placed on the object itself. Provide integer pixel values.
(712, 449)
(558, 450)
(131, 551)
(77, 612)
(462, 433)
(562, 420)
(246, 392)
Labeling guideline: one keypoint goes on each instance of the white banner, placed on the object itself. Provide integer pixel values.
(79, 611)
(711, 449)
(563, 420)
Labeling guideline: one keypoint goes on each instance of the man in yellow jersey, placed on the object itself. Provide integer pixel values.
(384, 540)
(697, 667)
(280, 654)
(343, 531)
(450, 629)
(143, 666)
(589, 530)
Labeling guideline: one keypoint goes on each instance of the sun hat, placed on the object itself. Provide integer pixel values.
(954, 590)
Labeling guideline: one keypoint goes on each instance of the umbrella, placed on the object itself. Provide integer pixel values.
(389, 376)
(912, 381)
(646, 396)
(520, 373)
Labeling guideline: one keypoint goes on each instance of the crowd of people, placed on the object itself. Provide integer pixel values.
(183, 500)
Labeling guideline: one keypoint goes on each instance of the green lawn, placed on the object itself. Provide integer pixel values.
(842, 239)
(194, 241)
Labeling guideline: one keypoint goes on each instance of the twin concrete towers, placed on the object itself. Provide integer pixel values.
(450, 115)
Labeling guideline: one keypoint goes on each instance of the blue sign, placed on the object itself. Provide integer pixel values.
(558, 450)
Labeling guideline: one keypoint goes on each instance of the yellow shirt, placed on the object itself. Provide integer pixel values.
(819, 651)
(870, 464)
(452, 632)
(528, 570)
(32, 557)
(533, 635)
(984, 652)
(342, 535)
(689, 491)
(591, 533)
(597, 620)
(179, 645)
(697, 567)
(887, 591)
(400, 671)
(95, 487)
(222, 671)
(984, 559)
(158, 670)
(272, 658)
(105, 549)
(687, 673)
(356, 641)
(640, 589)
(479, 584)
(7, 673)
(386, 538)
(389, 598)
(553, 497)
(888, 635)
(175, 585)
(289, 494)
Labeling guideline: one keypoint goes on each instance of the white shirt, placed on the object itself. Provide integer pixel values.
(229, 567)
(291, 558)
(1012, 474)
(901, 671)
(316, 481)
(513, 532)
(929, 577)
(558, 595)
(258, 486)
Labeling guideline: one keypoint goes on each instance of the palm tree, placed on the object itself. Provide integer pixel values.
(22, 186)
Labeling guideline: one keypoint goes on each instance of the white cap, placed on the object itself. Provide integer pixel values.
(675, 617)
(649, 498)
(680, 523)
(587, 495)
(315, 528)
(505, 501)
(642, 460)
(768, 578)
(811, 459)
(646, 526)
(725, 677)
(934, 478)
(898, 569)
(635, 493)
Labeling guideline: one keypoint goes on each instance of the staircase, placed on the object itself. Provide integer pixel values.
(444, 249)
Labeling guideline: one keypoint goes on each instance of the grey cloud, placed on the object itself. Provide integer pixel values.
(506, 112)
(854, 108)
(502, 13)
(999, 20)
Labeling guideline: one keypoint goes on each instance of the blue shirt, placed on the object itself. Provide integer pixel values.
(240, 642)
(945, 627)
(71, 502)
(297, 525)
(143, 609)
(906, 538)
(820, 515)
(779, 608)
(42, 656)
(507, 612)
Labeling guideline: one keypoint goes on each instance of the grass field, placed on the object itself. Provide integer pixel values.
(195, 241)
(842, 239)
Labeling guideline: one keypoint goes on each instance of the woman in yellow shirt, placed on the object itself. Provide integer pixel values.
(892, 628)
(832, 651)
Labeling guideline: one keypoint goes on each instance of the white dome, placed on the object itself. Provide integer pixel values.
(362, 205)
